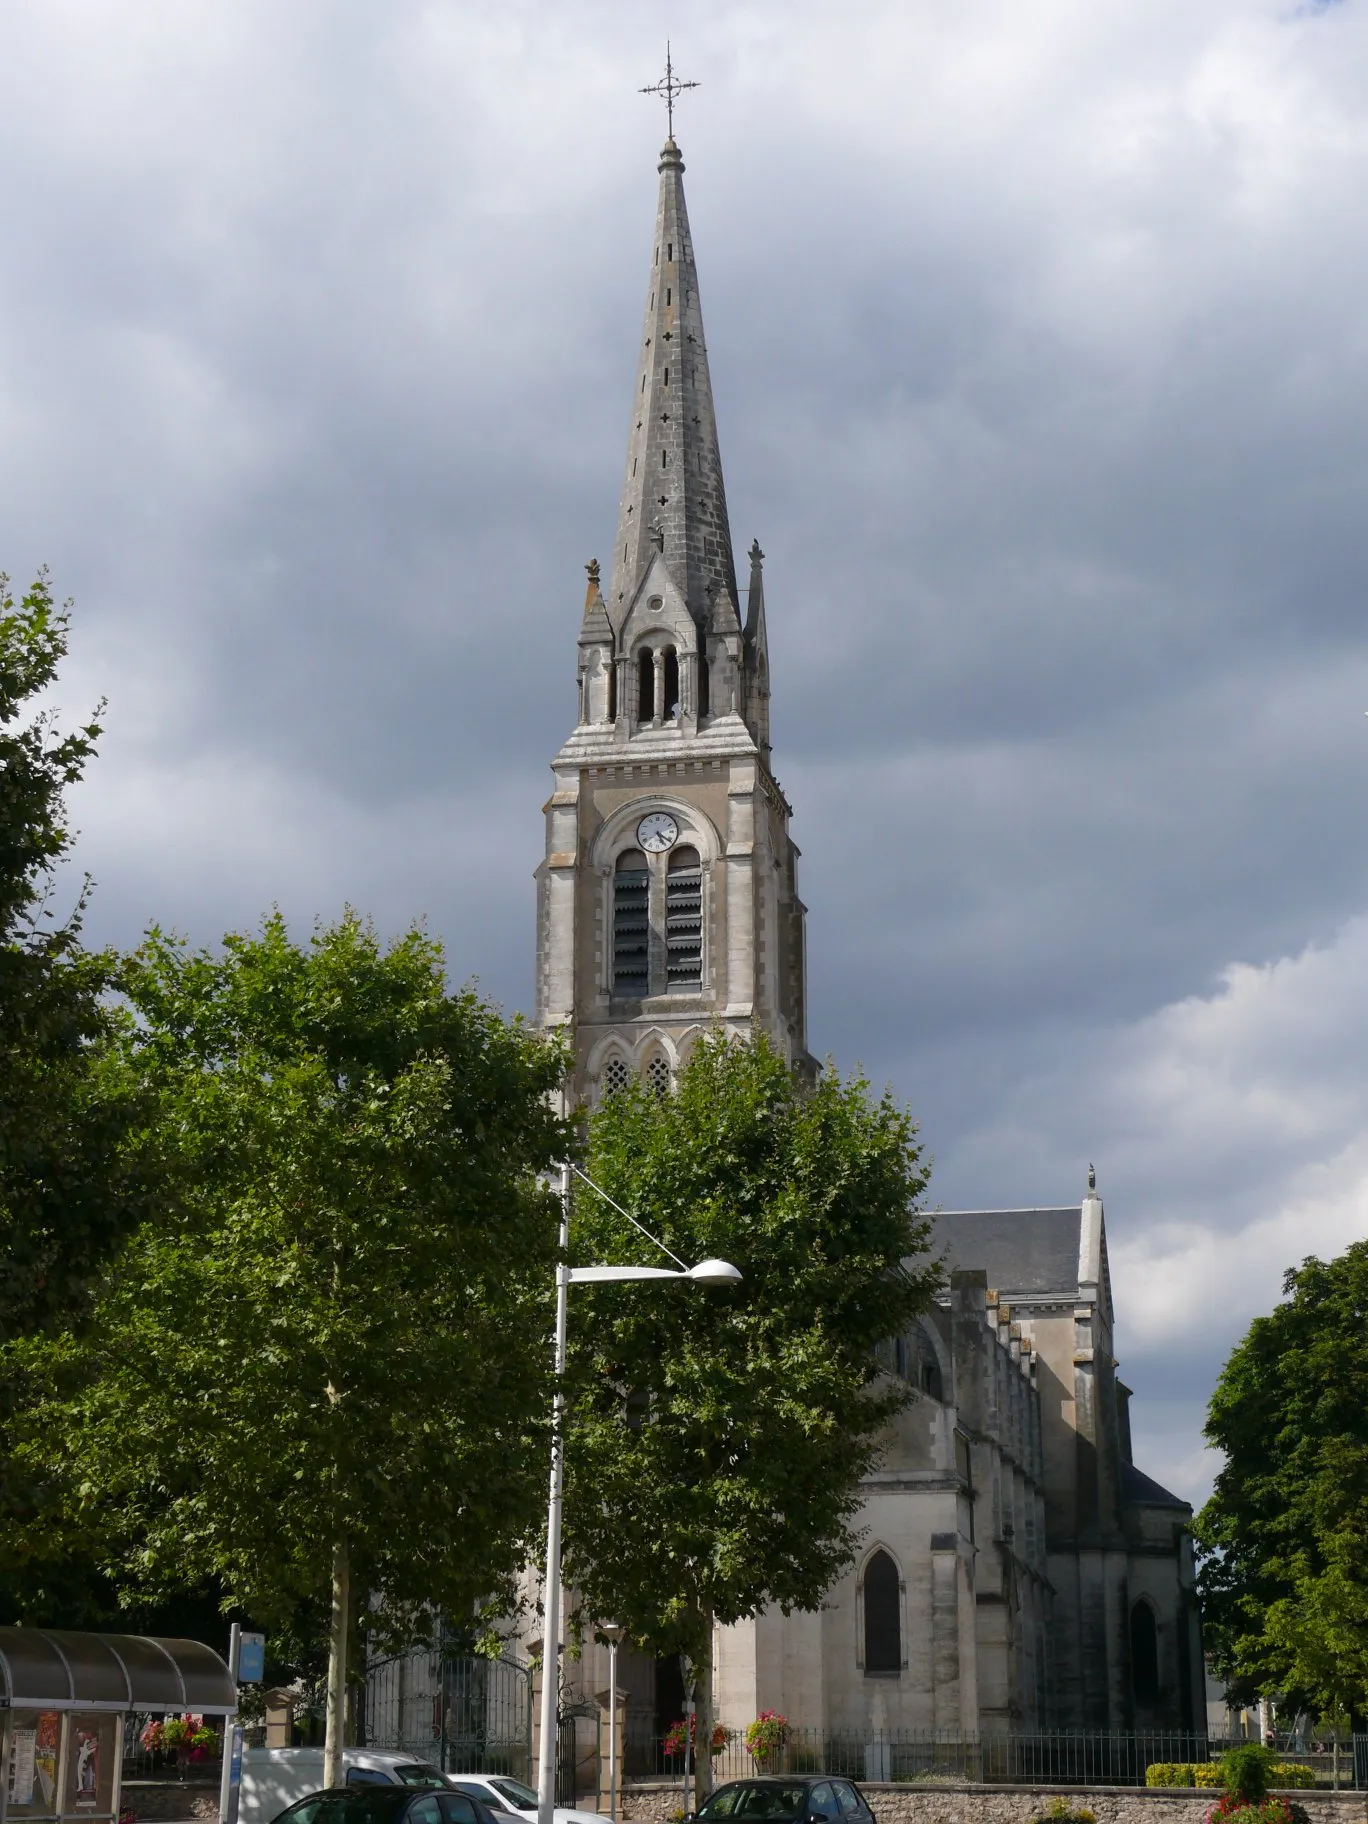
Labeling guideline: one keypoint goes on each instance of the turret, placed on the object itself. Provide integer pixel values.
(597, 692)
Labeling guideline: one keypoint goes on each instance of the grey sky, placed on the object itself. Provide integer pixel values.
(1037, 339)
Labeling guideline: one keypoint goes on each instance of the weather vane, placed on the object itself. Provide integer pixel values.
(668, 87)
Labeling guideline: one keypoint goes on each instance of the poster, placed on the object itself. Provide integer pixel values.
(23, 1744)
(85, 1747)
(45, 1759)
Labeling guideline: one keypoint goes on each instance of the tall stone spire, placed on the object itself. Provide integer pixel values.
(673, 491)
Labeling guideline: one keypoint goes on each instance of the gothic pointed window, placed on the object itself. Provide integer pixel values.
(684, 921)
(1144, 1645)
(614, 1076)
(882, 1622)
(671, 705)
(631, 926)
(646, 686)
(658, 1074)
(703, 679)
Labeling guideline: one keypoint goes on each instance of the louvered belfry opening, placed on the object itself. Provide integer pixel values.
(684, 920)
(631, 926)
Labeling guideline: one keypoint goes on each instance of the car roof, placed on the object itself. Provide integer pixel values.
(784, 1779)
(367, 1798)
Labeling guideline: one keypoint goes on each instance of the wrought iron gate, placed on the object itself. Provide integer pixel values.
(469, 1715)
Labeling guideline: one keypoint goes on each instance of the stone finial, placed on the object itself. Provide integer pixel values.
(657, 535)
(1092, 1181)
(591, 570)
(756, 555)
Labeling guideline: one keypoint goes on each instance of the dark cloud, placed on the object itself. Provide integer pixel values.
(1040, 369)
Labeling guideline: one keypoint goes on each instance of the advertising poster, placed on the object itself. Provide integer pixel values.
(85, 1746)
(45, 1759)
(23, 1745)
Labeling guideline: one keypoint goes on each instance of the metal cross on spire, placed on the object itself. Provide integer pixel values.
(668, 87)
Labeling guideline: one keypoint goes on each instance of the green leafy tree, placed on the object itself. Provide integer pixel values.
(1284, 1536)
(73, 1178)
(68, 1184)
(327, 1374)
(718, 1435)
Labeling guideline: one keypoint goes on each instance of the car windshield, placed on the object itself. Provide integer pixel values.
(419, 1773)
(348, 1805)
(777, 1800)
(516, 1793)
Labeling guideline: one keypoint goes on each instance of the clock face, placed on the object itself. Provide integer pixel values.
(657, 832)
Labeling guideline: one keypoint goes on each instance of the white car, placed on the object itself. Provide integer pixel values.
(273, 1778)
(503, 1795)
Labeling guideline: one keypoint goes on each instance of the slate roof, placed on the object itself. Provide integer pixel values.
(1140, 1490)
(1021, 1251)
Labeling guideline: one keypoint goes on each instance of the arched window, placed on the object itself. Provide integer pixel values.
(882, 1625)
(1144, 1644)
(612, 689)
(614, 1076)
(703, 678)
(684, 921)
(670, 708)
(658, 1074)
(646, 686)
(631, 926)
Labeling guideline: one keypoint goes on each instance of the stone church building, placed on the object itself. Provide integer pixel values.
(1017, 1572)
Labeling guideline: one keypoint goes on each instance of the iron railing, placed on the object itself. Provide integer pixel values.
(1041, 1758)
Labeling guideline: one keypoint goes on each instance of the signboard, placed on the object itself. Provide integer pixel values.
(251, 1666)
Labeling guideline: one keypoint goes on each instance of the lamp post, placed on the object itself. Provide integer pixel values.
(706, 1273)
(612, 1632)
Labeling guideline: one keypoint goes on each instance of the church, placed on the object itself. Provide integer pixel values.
(1017, 1572)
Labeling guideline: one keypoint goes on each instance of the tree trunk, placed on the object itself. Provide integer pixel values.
(703, 1722)
(339, 1628)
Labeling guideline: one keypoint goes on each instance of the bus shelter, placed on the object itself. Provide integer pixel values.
(63, 1700)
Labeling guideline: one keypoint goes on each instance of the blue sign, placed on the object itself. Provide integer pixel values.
(251, 1666)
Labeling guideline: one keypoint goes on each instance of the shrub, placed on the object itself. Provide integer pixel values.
(1064, 1811)
(1207, 1773)
(1170, 1773)
(1292, 1775)
(1246, 1771)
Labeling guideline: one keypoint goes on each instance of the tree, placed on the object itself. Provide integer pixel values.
(73, 1179)
(69, 1186)
(327, 1374)
(1284, 1536)
(718, 1436)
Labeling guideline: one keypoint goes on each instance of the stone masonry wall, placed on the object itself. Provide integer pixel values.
(656, 1802)
(171, 1801)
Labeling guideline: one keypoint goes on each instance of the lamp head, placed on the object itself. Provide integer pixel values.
(715, 1273)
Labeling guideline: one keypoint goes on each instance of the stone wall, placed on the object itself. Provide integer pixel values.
(656, 1802)
(171, 1801)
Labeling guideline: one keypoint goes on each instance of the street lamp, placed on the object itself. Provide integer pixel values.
(612, 1632)
(706, 1273)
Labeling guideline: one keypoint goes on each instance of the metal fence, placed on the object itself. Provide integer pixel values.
(1047, 1758)
(468, 1715)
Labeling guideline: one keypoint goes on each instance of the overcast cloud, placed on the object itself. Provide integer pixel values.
(1038, 337)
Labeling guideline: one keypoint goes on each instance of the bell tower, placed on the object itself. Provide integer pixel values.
(667, 900)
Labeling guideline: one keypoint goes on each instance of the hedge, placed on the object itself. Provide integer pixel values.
(1285, 1775)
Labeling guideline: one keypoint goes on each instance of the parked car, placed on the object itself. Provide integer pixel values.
(273, 1778)
(816, 1798)
(503, 1795)
(373, 1803)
